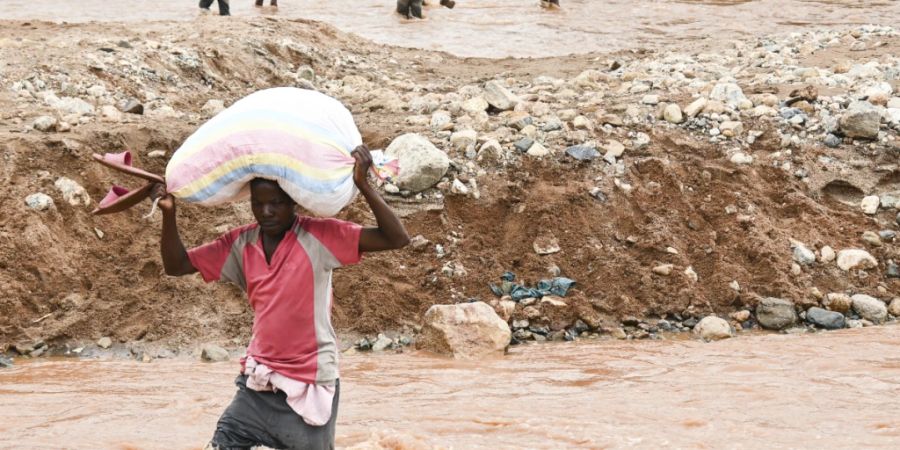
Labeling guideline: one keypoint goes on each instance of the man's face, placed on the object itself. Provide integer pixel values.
(272, 207)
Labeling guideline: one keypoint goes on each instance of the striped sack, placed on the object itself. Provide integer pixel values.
(299, 138)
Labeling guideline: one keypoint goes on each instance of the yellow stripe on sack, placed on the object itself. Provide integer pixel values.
(259, 125)
(274, 159)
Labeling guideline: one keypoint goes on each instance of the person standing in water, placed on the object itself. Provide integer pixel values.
(550, 3)
(271, 3)
(288, 387)
(223, 6)
(413, 8)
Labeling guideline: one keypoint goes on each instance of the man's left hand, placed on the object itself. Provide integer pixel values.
(363, 164)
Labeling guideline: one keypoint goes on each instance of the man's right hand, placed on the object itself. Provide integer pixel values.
(166, 200)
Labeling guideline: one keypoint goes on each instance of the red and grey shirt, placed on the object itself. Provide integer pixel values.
(291, 296)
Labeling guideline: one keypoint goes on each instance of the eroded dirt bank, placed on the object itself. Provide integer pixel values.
(687, 215)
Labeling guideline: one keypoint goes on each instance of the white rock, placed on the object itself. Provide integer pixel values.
(695, 107)
(212, 107)
(72, 192)
(382, 343)
(650, 99)
(894, 103)
(213, 353)
(458, 187)
(712, 328)
(870, 204)
(691, 274)
(672, 113)
(861, 120)
(741, 158)
(490, 152)
(854, 258)
(869, 308)
(731, 128)
(537, 150)
(463, 139)
(44, 123)
(39, 201)
(475, 105)
(894, 308)
(803, 255)
(613, 149)
(828, 254)
(546, 245)
(441, 121)
(465, 330)
(73, 105)
(499, 97)
(728, 93)
(663, 269)
(423, 164)
(104, 342)
(111, 112)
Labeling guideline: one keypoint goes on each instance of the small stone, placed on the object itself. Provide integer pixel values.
(741, 316)
(582, 152)
(475, 105)
(712, 328)
(672, 113)
(775, 313)
(869, 308)
(832, 141)
(695, 107)
(861, 120)
(519, 120)
(691, 274)
(546, 245)
(5, 363)
(460, 140)
(213, 353)
(830, 320)
(459, 188)
(499, 97)
(72, 192)
(735, 286)
(892, 270)
(523, 144)
(854, 258)
(307, 73)
(887, 235)
(870, 204)
(663, 269)
(618, 333)
(39, 201)
(582, 123)
(894, 308)
(839, 302)
(441, 121)
(212, 107)
(537, 150)
(157, 154)
(383, 342)
(803, 255)
(828, 254)
(132, 106)
(614, 149)
(640, 140)
(44, 123)
(731, 128)
(104, 342)
(650, 99)
(871, 238)
(111, 112)
(741, 159)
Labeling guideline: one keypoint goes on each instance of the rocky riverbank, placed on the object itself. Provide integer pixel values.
(755, 180)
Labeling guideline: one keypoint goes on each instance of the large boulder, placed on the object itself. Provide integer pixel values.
(830, 320)
(712, 328)
(861, 120)
(465, 331)
(869, 308)
(422, 165)
(775, 313)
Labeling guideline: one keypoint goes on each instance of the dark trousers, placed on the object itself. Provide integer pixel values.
(223, 6)
(264, 418)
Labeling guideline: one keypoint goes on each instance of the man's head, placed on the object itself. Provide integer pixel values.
(272, 207)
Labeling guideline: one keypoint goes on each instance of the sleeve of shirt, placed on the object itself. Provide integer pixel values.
(209, 258)
(340, 237)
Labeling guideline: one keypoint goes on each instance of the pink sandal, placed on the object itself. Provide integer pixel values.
(119, 198)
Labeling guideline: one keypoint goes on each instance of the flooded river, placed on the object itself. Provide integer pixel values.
(828, 390)
(497, 28)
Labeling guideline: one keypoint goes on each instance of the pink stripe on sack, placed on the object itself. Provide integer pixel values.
(245, 143)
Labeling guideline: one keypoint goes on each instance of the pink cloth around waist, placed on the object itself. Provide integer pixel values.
(311, 401)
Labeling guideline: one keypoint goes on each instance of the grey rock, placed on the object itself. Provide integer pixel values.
(423, 164)
(830, 320)
(803, 255)
(5, 363)
(582, 152)
(861, 120)
(892, 270)
(833, 141)
(775, 313)
(213, 353)
(869, 308)
(523, 144)
(132, 106)
(887, 235)
(382, 343)
(44, 123)
(39, 201)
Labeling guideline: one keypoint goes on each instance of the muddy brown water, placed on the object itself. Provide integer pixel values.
(827, 390)
(499, 28)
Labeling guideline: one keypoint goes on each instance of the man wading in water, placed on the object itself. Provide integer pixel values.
(288, 389)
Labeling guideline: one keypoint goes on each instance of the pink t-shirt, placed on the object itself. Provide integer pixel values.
(291, 296)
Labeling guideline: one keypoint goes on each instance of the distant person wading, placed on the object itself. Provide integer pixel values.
(224, 9)
(413, 8)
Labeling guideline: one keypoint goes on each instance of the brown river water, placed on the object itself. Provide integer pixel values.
(498, 28)
(826, 390)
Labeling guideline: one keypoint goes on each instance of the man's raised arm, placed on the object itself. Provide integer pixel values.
(174, 255)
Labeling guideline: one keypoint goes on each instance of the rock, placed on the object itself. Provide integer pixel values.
(832, 141)
(441, 121)
(546, 245)
(582, 152)
(854, 258)
(827, 254)
(213, 353)
(731, 128)
(523, 144)
(775, 313)
(44, 123)
(307, 73)
(72, 192)
(729, 93)
(836, 301)
(382, 343)
(132, 106)
(650, 99)
(712, 328)
(490, 152)
(614, 149)
(5, 363)
(741, 159)
(582, 123)
(104, 342)
(695, 107)
(869, 308)
(475, 105)
(893, 270)
(537, 150)
(691, 274)
(466, 330)
(212, 107)
(714, 107)
(672, 113)
(71, 105)
(640, 141)
(803, 255)
(39, 201)
(499, 97)
(505, 309)
(894, 308)
(156, 154)
(519, 120)
(663, 269)
(463, 139)
(872, 238)
(423, 164)
(829, 320)
(741, 316)
(870, 204)
(861, 120)
(111, 112)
